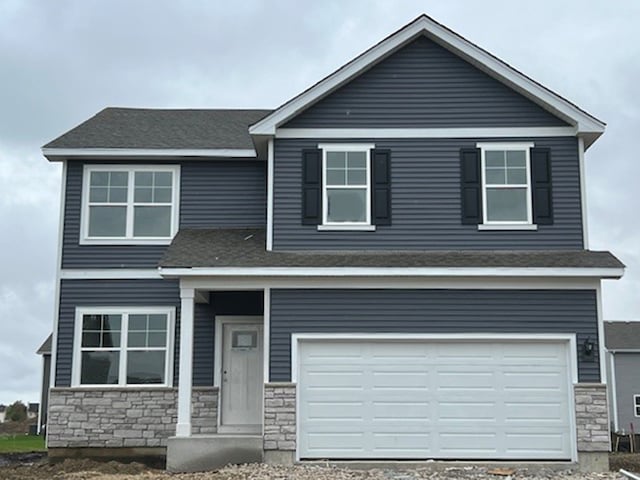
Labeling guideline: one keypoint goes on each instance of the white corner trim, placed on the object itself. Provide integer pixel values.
(56, 300)
(266, 334)
(110, 274)
(60, 153)
(601, 336)
(270, 176)
(507, 226)
(310, 272)
(614, 393)
(497, 132)
(583, 193)
(570, 338)
(458, 45)
(346, 228)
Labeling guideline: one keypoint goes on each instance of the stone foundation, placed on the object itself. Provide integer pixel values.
(592, 417)
(279, 422)
(123, 417)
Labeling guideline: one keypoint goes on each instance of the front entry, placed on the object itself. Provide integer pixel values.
(240, 374)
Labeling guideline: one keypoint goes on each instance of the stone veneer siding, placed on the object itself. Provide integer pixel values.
(592, 418)
(280, 416)
(124, 417)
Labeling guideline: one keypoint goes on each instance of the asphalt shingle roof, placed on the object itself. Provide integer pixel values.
(246, 248)
(622, 335)
(156, 128)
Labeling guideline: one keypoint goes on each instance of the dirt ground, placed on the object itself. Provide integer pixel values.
(38, 468)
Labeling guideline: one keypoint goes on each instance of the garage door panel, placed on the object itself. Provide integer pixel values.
(401, 410)
(535, 412)
(541, 444)
(421, 399)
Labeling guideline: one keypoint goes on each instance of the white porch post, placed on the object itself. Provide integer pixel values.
(183, 429)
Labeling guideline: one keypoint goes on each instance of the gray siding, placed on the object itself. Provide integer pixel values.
(430, 311)
(627, 366)
(216, 193)
(425, 201)
(424, 85)
(92, 293)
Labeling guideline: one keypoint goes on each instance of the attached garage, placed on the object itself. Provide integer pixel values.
(416, 397)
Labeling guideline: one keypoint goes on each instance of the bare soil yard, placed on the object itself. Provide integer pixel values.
(80, 469)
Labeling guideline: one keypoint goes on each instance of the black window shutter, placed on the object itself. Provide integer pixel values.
(470, 186)
(381, 187)
(541, 186)
(311, 187)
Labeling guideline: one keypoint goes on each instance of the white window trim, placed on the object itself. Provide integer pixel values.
(636, 405)
(346, 147)
(129, 239)
(511, 146)
(77, 344)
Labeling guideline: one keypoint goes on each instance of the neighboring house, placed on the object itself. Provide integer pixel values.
(32, 410)
(3, 413)
(622, 341)
(392, 265)
(45, 351)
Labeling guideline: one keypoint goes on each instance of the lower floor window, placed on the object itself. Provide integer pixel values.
(120, 346)
(636, 405)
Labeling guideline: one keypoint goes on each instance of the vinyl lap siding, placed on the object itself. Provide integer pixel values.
(430, 311)
(424, 85)
(425, 201)
(149, 293)
(627, 384)
(216, 193)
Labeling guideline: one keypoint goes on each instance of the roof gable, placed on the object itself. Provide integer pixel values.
(587, 125)
(424, 85)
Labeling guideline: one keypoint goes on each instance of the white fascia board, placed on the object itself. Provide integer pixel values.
(482, 59)
(501, 132)
(110, 274)
(392, 272)
(56, 154)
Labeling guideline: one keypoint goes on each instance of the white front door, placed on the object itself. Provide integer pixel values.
(425, 399)
(241, 377)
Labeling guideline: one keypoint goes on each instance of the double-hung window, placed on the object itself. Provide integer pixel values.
(130, 204)
(636, 405)
(123, 346)
(506, 183)
(346, 172)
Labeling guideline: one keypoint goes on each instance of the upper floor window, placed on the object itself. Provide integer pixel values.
(506, 186)
(506, 183)
(130, 204)
(346, 184)
(123, 346)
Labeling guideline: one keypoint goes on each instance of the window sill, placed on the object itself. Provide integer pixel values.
(346, 228)
(126, 241)
(145, 386)
(507, 226)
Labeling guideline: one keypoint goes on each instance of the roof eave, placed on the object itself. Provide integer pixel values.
(503, 272)
(54, 154)
(587, 125)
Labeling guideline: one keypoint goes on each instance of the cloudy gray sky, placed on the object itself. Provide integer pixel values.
(62, 61)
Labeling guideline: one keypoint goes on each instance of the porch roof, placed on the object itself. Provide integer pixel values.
(245, 248)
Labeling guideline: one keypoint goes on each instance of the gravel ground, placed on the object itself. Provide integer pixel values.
(87, 469)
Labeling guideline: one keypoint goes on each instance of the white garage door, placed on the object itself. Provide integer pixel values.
(433, 399)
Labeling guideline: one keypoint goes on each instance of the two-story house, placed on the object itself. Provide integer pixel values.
(394, 264)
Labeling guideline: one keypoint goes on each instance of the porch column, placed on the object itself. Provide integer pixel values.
(183, 429)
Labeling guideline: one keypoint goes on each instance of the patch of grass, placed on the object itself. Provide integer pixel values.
(22, 443)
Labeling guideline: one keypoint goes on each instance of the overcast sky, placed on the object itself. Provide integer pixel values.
(62, 61)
